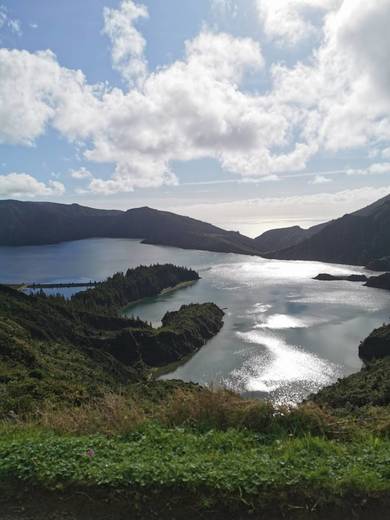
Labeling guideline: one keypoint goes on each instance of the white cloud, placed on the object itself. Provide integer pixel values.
(81, 173)
(36, 91)
(343, 94)
(195, 108)
(320, 179)
(24, 185)
(373, 169)
(199, 107)
(189, 110)
(289, 21)
(128, 44)
(25, 86)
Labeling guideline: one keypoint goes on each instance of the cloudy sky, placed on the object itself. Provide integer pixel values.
(250, 114)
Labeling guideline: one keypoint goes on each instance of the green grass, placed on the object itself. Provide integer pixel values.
(239, 469)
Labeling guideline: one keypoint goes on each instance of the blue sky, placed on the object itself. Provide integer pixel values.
(250, 114)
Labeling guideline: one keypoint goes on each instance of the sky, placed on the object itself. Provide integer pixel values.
(250, 114)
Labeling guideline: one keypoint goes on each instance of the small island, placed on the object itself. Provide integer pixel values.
(378, 282)
(325, 277)
(122, 289)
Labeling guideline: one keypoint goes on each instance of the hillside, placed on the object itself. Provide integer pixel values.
(53, 350)
(357, 238)
(368, 388)
(376, 345)
(34, 223)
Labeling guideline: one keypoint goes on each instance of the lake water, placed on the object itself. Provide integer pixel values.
(285, 335)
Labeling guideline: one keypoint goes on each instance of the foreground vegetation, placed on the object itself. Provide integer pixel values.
(175, 472)
(195, 453)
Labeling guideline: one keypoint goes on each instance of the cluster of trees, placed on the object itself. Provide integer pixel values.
(141, 282)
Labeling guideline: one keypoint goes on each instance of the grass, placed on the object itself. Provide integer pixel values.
(174, 404)
(196, 452)
(185, 406)
(240, 469)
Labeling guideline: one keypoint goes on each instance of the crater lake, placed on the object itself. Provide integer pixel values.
(285, 334)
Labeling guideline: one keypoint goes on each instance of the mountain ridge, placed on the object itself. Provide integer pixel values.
(356, 238)
(37, 223)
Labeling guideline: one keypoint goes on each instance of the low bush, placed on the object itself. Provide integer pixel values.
(222, 409)
(114, 414)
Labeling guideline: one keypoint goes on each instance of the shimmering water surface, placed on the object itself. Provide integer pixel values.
(285, 335)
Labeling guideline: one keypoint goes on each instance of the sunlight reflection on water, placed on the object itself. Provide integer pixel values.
(280, 367)
(282, 321)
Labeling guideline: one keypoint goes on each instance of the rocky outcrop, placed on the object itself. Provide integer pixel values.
(378, 282)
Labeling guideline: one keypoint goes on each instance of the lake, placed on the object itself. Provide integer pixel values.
(285, 335)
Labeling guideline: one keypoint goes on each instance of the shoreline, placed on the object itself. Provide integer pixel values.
(181, 285)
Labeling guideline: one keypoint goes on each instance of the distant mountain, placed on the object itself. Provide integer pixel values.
(34, 223)
(357, 238)
(276, 239)
(360, 238)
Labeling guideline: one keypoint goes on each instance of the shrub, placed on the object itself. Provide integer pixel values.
(113, 414)
(222, 409)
